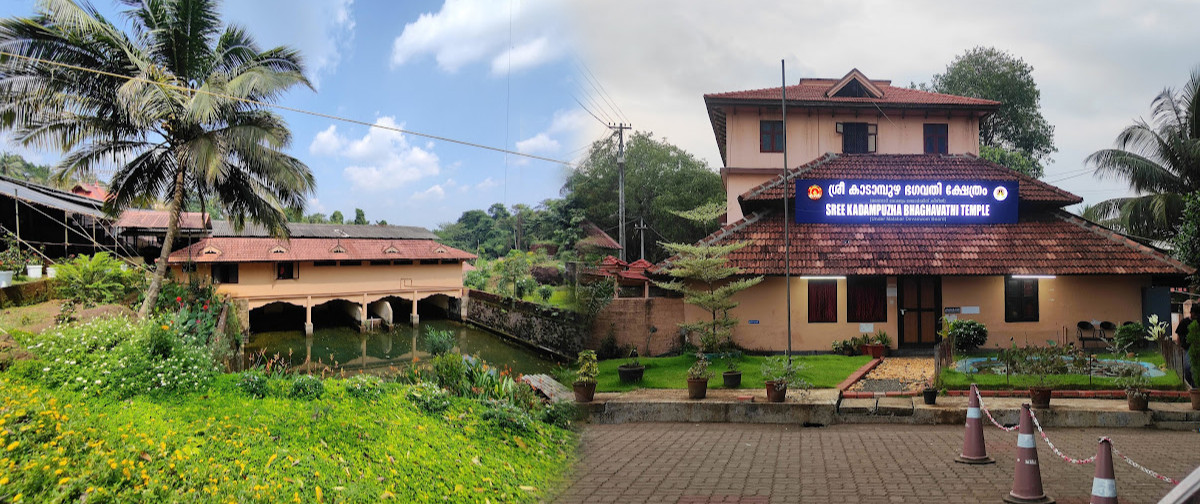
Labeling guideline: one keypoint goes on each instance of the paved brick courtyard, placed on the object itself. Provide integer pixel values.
(746, 463)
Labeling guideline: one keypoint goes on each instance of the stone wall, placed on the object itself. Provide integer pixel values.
(630, 320)
(27, 293)
(553, 330)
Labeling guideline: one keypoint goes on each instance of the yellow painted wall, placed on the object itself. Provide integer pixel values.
(735, 185)
(1063, 302)
(811, 136)
(257, 280)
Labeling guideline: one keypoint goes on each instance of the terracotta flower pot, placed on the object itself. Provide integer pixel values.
(697, 389)
(630, 374)
(584, 392)
(875, 350)
(1138, 402)
(1194, 395)
(732, 379)
(1040, 397)
(776, 394)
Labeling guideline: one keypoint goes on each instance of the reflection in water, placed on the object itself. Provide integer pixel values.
(345, 347)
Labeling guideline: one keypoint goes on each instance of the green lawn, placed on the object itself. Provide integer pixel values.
(823, 371)
(951, 379)
(224, 446)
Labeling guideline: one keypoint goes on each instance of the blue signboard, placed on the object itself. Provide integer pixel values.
(858, 201)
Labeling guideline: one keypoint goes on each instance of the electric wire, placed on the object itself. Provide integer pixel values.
(284, 107)
(595, 83)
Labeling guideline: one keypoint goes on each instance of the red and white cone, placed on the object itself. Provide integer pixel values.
(1027, 476)
(974, 452)
(1104, 485)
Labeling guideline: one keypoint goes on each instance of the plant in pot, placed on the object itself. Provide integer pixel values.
(585, 379)
(1135, 383)
(929, 394)
(882, 341)
(1041, 362)
(732, 377)
(778, 372)
(631, 372)
(11, 258)
(860, 343)
(1193, 338)
(33, 266)
(697, 377)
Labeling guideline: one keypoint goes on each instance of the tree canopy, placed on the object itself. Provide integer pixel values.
(1160, 160)
(1018, 127)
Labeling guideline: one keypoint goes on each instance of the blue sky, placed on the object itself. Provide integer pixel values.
(509, 73)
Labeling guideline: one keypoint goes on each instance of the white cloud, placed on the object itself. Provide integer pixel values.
(467, 31)
(315, 205)
(487, 183)
(434, 193)
(569, 126)
(382, 159)
(322, 30)
(538, 144)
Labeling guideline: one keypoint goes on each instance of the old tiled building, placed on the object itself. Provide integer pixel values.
(894, 221)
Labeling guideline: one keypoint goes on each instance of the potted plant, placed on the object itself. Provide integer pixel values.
(1193, 338)
(585, 380)
(860, 343)
(697, 378)
(631, 372)
(732, 377)
(882, 342)
(51, 272)
(778, 373)
(10, 259)
(929, 394)
(33, 266)
(1042, 361)
(1135, 382)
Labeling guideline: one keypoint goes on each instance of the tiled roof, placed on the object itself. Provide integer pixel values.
(1057, 243)
(812, 91)
(157, 219)
(305, 230)
(228, 249)
(91, 190)
(597, 238)
(913, 166)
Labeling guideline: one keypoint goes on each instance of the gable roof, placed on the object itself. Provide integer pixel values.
(1053, 243)
(50, 197)
(596, 238)
(916, 167)
(239, 249)
(157, 220)
(822, 93)
(222, 228)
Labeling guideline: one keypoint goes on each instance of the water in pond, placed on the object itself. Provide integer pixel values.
(344, 347)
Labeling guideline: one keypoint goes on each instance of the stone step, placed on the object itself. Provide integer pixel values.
(894, 406)
(856, 407)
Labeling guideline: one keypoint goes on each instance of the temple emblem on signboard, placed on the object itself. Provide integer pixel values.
(814, 192)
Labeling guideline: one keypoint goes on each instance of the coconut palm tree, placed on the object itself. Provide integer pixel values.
(1160, 160)
(177, 106)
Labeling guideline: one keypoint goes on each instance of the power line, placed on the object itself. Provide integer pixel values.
(595, 83)
(284, 107)
(585, 109)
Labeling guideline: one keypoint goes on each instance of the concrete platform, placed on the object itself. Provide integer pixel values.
(822, 407)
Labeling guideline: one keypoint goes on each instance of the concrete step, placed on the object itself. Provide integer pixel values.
(856, 406)
(894, 406)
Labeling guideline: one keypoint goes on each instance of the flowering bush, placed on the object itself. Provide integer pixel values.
(429, 397)
(507, 417)
(968, 334)
(364, 387)
(307, 387)
(253, 383)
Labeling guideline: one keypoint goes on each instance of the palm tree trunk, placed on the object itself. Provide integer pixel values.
(160, 267)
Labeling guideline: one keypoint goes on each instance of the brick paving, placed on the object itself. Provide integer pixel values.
(760, 464)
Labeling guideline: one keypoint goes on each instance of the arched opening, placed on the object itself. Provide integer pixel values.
(336, 313)
(435, 307)
(277, 316)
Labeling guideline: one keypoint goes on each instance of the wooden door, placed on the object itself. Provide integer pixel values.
(920, 306)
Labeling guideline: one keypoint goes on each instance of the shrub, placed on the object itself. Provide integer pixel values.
(560, 414)
(968, 334)
(1129, 336)
(506, 416)
(546, 275)
(588, 370)
(253, 383)
(1193, 338)
(306, 387)
(98, 279)
(544, 292)
(449, 372)
(364, 386)
(429, 398)
(439, 341)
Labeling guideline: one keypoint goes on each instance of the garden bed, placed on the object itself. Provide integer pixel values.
(823, 371)
(951, 379)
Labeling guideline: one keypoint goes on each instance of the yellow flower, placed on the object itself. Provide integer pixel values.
(13, 445)
(63, 481)
(166, 327)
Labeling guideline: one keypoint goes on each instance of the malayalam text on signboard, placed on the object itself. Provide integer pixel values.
(856, 201)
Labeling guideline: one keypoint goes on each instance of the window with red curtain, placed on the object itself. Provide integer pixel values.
(866, 299)
(822, 300)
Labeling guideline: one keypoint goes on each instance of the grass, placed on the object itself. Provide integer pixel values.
(560, 299)
(823, 371)
(225, 446)
(31, 318)
(951, 379)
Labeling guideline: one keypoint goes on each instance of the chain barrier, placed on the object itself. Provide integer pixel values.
(1092, 459)
(989, 414)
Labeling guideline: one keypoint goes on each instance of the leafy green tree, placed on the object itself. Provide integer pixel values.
(659, 178)
(336, 217)
(513, 274)
(15, 166)
(1018, 126)
(706, 280)
(1012, 159)
(360, 218)
(316, 218)
(177, 103)
(1160, 160)
(1187, 240)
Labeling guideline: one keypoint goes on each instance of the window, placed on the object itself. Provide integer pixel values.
(320, 264)
(937, 140)
(770, 135)
(822, 300)
(1021, 300)
(285, 271)
(402, 262)
(188, 267)
(351, 263)
(225, 273)
(429, 261)
(866, 299)
(381, 263)
(857, 138)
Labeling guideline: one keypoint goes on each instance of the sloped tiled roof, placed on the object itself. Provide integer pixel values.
(1054, 243)
(231, 249)
(596, 238)
(916, 167)
(304, 230)
(157, 220)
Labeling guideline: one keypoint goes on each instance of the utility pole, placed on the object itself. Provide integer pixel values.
(641, 229)
(621, 127)
(787, 237)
